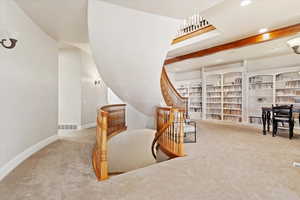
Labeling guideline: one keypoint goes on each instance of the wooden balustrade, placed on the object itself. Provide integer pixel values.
(110, 122)
(171, 95)
(170, 132)
(192, 24)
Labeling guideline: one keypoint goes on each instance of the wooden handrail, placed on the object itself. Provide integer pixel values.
(171, 95)
(170, 132)
(110, 122)
(108, 107)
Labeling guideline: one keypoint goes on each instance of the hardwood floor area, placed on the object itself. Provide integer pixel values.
(226, 163)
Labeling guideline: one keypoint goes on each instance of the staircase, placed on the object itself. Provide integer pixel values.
(136, 76)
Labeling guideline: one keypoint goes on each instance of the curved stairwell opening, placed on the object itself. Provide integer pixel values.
(113, 141)
(118, 150)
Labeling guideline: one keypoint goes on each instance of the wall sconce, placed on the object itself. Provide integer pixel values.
(12, 45)
(97, 82)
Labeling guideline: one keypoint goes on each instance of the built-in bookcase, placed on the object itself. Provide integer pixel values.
(193, 90)
(238, 96)
(288, 90)
(195, 100)
(232, 96)
(214, 97)
(183, 89)
(260, 94)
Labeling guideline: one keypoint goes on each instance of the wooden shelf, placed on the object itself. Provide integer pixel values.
(232, 109)
(258, 83)
(228, 85)
(230, 115)
(213, 113)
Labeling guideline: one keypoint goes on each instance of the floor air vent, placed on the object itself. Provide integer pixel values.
(67, 127)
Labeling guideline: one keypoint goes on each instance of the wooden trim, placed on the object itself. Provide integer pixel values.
(164, 108)
(256, 39)
(171, 108)
(114, 105)
(116, 133)
(194, 34)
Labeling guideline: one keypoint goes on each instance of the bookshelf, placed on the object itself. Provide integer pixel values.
(214, 97)
(193, 90)
(232, 96)
(287, 89)
(183, 89)
(260, 94)
(237, 95)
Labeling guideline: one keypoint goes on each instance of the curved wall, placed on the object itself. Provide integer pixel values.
(129, 48)
(29, 91)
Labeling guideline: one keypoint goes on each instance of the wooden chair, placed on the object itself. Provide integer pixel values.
(283, 114)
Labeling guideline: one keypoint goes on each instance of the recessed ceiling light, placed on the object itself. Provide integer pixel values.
(263, 30)
(245, 2)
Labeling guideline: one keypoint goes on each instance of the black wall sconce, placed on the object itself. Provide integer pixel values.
(97, 82)
(12, 45)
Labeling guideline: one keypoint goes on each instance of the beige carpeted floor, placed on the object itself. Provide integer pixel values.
(231, 163)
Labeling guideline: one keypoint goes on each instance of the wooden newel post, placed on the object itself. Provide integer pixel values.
(100, 162)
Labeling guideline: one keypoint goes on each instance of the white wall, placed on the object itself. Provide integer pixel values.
(69, 86)
(79, 97)
(181, 76)
(29, 87)
(277, 63)
(131, 60)
(93, 96)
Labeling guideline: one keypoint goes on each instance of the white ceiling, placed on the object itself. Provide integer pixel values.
(179, 9)
(234, 22)
(192, 44)
(64, 20)
(252, 52)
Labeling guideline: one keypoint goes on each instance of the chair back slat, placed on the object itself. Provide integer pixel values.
(282, 111)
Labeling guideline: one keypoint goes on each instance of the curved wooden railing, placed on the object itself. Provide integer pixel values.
(170, 132)
(111, 121)
(171, 95)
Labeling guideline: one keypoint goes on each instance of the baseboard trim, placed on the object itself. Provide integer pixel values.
(12, 164)
(90, 125)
